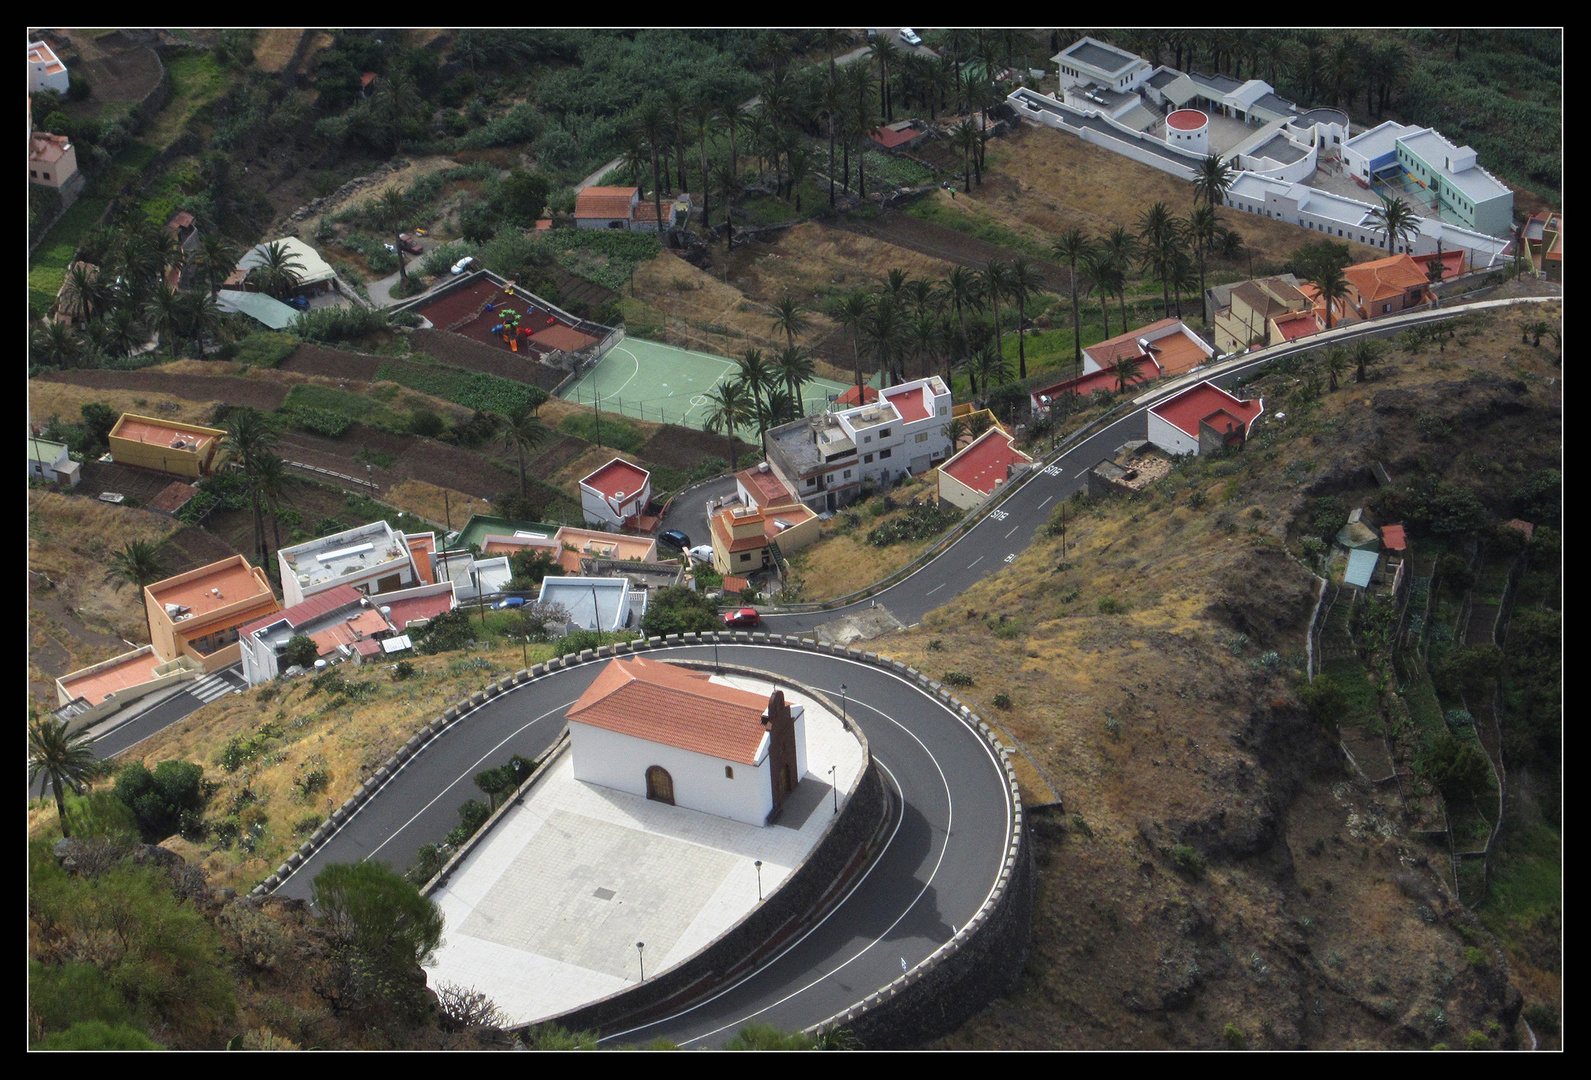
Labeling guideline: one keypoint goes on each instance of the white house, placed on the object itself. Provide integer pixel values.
(1201, 419)
(45, 70)
(374, 558)
(980, 469)
(615, 493)
(52, 461)
(608, 604)
(682, 737)
(827, 459)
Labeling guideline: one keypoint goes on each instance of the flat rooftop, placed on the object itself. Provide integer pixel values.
(1100, 56)
(607, 869)
(1278, 148)
(233, 580)
(95, 687)
(356, 551)
(192, 439)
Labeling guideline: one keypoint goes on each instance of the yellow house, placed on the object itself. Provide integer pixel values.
(165, 445)
(197, 614)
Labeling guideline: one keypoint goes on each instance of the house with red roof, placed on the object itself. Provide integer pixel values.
(688, 739)
(1202, 419)
(1175, 348)
(606, 207)
(616, 495)
(1453, 263)
(1387, 286)
(901, 135)
(980, 469)
(1095, 381)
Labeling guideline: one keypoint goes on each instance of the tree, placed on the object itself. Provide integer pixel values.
(1455, 766)
(251, 437)
(137, 564)
(373, 911)
(1126, 371)
(851, 312)
(279, 271)
(523, 197)
(65, 760)
(1073, 246)
(1366, 354)
(728, 407)
(1335, 361)
(1204, 230)
(1395, 220)
(678, 610)
(391, 212)
(84, 296)
(795, 369)
(758, 378)
(1122, 248)
(54, 343)
(1332, 286)
(1211, 180)
(160, 800)
(789, 316)
(301, 650)
(523, 431)
(1024, 280)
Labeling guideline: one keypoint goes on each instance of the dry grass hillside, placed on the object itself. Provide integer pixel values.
(1212, 863)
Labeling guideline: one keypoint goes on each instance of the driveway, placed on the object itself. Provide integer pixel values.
(381, 291)
(688, 512)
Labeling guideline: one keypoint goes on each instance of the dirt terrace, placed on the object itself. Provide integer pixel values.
(228, 388)
(462, 352)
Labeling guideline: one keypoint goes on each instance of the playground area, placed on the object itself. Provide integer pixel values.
(1395, 182)
(503, 316)
(665, 384)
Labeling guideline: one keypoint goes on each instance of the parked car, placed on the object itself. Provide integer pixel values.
(463, 264)
(298, 302)
(746, 616)
(675, 539)
(390, 248)
(406, 242)
(509, 601)
(701, 553)
(909, 36)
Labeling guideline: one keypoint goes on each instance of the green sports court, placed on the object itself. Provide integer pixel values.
(665, 384)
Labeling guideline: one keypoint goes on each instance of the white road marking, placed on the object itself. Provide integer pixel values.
(975, 562)
(1043, 504)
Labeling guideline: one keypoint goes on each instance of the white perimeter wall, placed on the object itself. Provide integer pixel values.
(620, 762)
(1170, 438)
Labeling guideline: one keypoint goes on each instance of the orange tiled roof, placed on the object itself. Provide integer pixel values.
(661, 703)
(605, 202)
(721, 529)
(1381, 279)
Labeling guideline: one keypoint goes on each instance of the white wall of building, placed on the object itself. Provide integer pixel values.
(620, 762)
(1170, 438)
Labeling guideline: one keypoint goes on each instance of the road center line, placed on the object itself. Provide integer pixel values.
(975, 562)
(1014, 528)
(1044, 503)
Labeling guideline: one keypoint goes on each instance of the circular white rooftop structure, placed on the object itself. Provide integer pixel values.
(1189, 129)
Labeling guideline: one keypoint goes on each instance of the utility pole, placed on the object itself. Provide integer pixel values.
(599, 418)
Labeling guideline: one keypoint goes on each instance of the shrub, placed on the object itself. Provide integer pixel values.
(300, 650)
(1188, 859)
(403, 669)
(1233, 1038)
(265, 349)
(1109, 605)
(159, 799)
(1002, 700)
(307, 824)
(956, 678)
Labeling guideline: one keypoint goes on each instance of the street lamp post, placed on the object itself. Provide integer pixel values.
(835, 789)
(842, 702)
(641, 955)
(759, 881)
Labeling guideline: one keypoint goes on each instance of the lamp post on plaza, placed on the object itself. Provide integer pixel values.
(640, 955)
(834, 789)
(759, 881)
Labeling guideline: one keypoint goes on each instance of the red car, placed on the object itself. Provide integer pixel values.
(409, 245)
(746, 616)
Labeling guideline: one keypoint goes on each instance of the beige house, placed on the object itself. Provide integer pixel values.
(198, 614)
(1253, 306)
(165, 445)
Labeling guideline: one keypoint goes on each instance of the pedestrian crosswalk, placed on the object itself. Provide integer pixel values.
(214, 686)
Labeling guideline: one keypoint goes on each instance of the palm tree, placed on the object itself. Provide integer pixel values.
(996, 282)
(1203, 229)
(884, 332)
(1127, 371)
(885, 52)
(1024, 279)
(1101, 272)
(522, 431)
(991, 367)
(279, 270)
(1395, 220)
(964, 289)
(1161, 246)
(1211, 180)
(728, 407)
(391, 211)
(796, 369)
(66, 761)
(202, 317)
(1335, 361)
(54, 343)
(654, 126)
(396, 101)
(1122, 248)
(1073, 246)
(164, 312)
(790, 316)
(1332, 285)
(137, 564)
(1366, 355)
(250, 437)
(214, 260)
(851, 312)
(967, 138)
(757, 377)
(84, 296)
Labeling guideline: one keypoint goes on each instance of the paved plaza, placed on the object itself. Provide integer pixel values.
(544, 915)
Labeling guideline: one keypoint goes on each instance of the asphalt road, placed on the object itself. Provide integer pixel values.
(940, 863)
